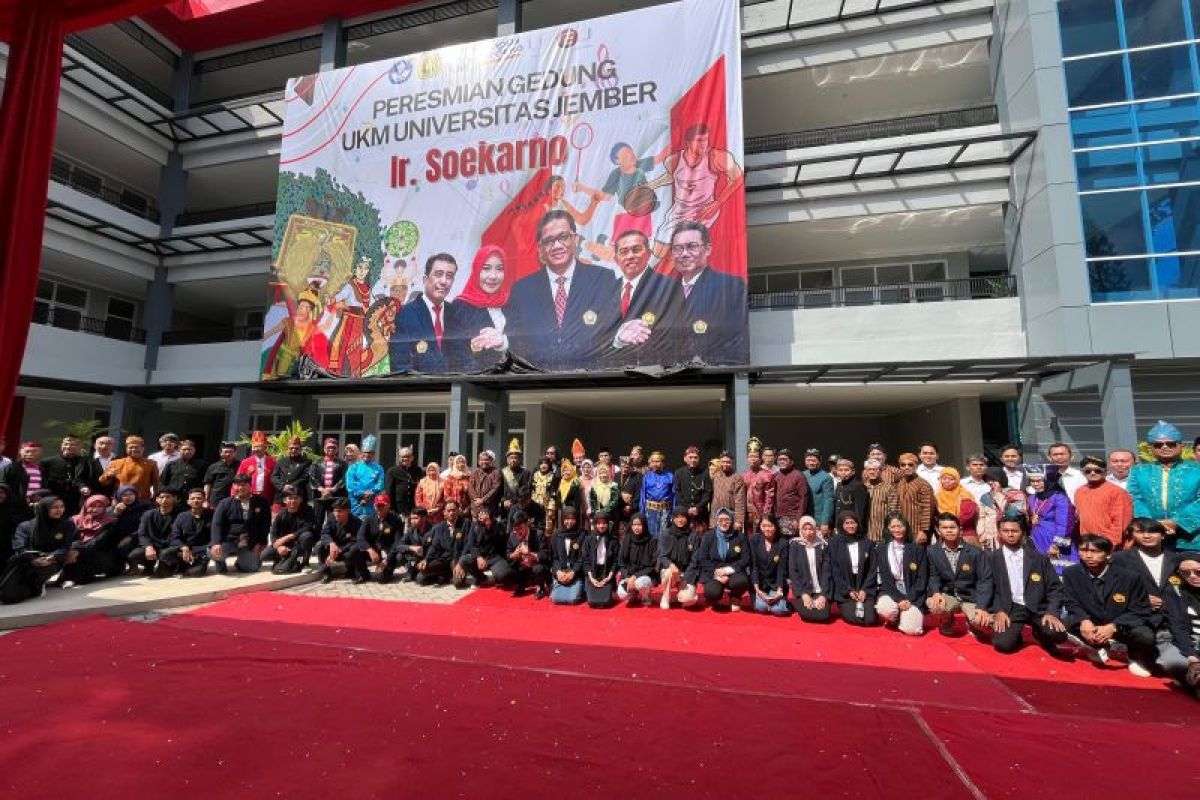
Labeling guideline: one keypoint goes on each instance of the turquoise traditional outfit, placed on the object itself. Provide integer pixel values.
(1169, 491)
(364, 477)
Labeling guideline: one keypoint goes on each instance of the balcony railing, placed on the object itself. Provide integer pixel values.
(82, 179)
(237, 333)
(71, 320)
(881, 129)
(978, 288)
(225, 214)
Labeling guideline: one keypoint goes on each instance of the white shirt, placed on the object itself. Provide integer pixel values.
(497, 315)
(5, 461)
(853, 548)
(104, 460)
(931, 475)
(976, 487)
(1155, 565)
(635, 282)
(688, 283)
(553, 276)
(1014, 564)
(1071, 479)
(440, 314)
(1120, 482)
(896, 560)
(1015, 477)
(811, 552)
(260, 474)
(162, 458)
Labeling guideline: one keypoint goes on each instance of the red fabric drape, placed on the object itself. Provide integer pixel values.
(28, 114)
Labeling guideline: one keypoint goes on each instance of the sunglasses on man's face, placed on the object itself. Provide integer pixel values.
(1164, 445)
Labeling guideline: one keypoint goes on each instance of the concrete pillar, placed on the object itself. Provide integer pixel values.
(241, 406)
(508, 15)
(456, 429)
(1116, 409)
(156, 314)
(495, 425)
(122, 416)
(333, 45)
(737, 417)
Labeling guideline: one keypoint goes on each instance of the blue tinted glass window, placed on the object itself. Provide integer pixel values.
(1174, 218)
(1120, 280)
(1112, 224)
(1167, 119)
(1176, 162)
(1095, 80)
(1179, 275)
(1107, 169)
(1088, 26)
(1153, 22)
(1096, 127)
(1160, 72)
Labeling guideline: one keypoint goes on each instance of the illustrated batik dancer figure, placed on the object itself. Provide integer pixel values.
(351, 301)
(693, 174)
(297, 335)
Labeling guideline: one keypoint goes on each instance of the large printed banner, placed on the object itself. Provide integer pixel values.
(571, 198)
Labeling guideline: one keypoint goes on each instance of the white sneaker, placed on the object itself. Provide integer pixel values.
(1137, 669)
(665, 603)
(1102, 656)
(68, 584)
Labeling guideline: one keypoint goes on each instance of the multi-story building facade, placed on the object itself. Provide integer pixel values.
(969, 221)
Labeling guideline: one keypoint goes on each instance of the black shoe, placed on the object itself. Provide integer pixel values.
(540, 593)
(358, 580)
(222, 567)
(327, 577)
(519, 591)
(460, 585)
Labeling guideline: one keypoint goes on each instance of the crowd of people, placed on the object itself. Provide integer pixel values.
(1099, 558)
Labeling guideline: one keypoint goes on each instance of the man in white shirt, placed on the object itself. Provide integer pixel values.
(976, 480)
(1120, 462)
(105, 448)
(929, 469)
(168, 452)
(1070, 477)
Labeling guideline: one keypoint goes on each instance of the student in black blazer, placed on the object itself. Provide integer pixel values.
(650, 319)
(584, 335)
(415, 345)
(769, 569)
(1034, 599)
(1107, 604)
(903, 577)
(1157, 567)
(810, 573)
(960, 577)
(601, 554)
(715, 303)
(855, 582)
(723, 561)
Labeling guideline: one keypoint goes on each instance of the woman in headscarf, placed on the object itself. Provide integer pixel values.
(569, 492)
(954, 498)
(455, 482)
(601, 556)
(1051, 521)
(855, 578)
(587, 477)
(769, 569)
(129, 509)
(481, 305)
(350, 453)
(566, 568)
(810, 573)
(42, 547)
(93, 527)
(604, 494)
(638, 560)
(723, 559)
(429, 493)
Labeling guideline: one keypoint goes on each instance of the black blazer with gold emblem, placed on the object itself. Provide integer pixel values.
(1043, 589)
(587, 327)
(709, 559)
(768, 568)
(972, 581)
(1119, 597)
(916, 573)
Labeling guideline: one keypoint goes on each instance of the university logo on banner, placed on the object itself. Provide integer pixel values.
(566, 199)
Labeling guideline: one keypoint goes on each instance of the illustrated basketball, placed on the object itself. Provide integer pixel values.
(640, 201)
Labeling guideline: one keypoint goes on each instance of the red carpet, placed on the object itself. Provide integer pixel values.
(271, 694)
